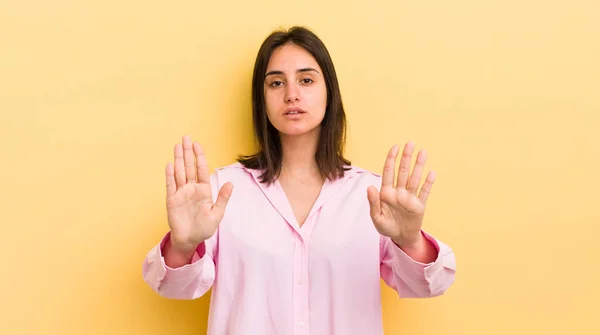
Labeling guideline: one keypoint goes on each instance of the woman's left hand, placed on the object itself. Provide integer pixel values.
(397, 210)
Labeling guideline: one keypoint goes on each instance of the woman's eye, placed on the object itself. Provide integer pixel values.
(307, 81)
(276, 83)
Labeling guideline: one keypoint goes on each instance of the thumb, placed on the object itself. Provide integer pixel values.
(223, 198)
(374, 202)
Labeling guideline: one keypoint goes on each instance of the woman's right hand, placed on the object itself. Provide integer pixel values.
(192, 215)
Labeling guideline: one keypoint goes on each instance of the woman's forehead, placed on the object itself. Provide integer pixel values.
(291, 57)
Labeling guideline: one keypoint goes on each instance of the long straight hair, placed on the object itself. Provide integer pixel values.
(332, 137)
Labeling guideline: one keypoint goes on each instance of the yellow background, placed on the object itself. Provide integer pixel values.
(504, 96)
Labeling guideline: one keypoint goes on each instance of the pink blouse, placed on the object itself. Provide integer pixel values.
(270, 276)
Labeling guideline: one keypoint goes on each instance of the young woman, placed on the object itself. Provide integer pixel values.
(294, 239)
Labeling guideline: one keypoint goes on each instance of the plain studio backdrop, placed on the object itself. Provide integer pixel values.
(504, 96)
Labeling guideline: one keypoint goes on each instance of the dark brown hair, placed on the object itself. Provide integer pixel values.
(329, 155)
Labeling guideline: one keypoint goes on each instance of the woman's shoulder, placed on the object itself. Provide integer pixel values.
(235, 166)
(357, 170)
(235, 169)
(362, 176)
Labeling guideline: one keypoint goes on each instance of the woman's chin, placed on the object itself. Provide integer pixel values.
(297, 131)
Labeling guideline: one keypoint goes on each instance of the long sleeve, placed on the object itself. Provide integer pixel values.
(412, 279)
(190, 281)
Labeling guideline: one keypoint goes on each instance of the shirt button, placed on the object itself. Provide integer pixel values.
(300, 324)
(300, 282)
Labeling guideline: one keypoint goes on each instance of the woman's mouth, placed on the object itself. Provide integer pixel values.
(294, 111)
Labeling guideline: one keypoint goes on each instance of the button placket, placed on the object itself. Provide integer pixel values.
(300, 288)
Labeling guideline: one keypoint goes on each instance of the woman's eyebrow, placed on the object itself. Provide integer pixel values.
(276, 72)
(307, 69)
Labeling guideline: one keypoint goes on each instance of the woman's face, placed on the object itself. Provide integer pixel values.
(295, 91)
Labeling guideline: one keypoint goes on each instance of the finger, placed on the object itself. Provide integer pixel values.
(387, 178)
(170, 176)
(415, 178)
(426, 189)
(189, 160)
(202, 164)
(223, 198)
(374, 203)
(179, 166)
(404, 168)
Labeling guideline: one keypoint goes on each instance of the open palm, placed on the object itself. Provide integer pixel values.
(192, 215)
(397, 210)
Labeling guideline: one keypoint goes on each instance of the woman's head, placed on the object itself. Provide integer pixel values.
(295, 91)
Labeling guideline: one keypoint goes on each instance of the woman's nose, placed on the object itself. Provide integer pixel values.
(291, 94)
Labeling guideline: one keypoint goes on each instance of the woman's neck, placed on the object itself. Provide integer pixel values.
(298, 161)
